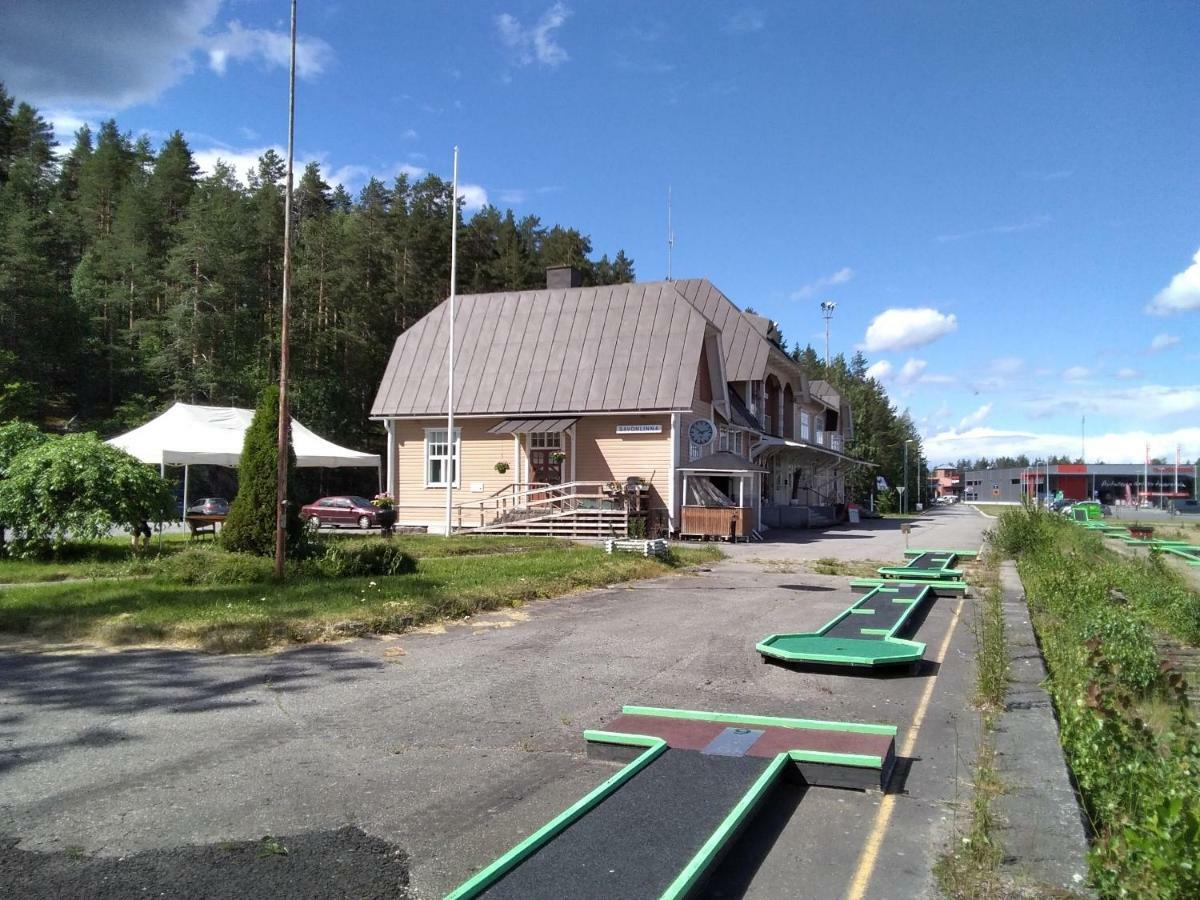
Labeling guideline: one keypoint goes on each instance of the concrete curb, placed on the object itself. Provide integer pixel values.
(1040, 826)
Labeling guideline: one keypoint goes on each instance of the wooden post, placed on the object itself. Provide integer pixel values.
(285, 418)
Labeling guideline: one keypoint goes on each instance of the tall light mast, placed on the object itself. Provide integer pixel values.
(827, 308)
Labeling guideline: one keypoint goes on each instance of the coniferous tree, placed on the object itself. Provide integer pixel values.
(250, 525)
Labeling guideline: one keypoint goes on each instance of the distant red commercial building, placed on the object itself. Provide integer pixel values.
(945, 481)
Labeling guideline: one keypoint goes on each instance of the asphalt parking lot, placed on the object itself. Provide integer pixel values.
(452, 744)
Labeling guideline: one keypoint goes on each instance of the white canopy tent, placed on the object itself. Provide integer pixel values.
(187, 435)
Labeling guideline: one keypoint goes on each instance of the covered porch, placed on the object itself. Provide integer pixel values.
(719, 494)
(804, 485)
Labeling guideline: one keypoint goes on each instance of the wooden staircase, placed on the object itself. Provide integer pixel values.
(578, 509)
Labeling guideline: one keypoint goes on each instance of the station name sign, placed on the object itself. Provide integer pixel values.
(639, 429)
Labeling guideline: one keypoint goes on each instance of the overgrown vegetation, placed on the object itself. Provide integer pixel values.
(1125, 725)
(970, 869)
(253, 615)
(850, 568)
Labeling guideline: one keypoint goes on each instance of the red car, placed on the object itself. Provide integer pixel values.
(347, 512)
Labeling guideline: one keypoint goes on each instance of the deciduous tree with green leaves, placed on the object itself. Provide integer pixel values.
(76, 488)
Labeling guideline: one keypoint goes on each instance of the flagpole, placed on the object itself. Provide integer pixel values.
(452, 469)
(285, 418)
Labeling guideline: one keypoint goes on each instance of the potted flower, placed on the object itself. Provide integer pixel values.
(501, 467)
(387, 511)
(557, 456)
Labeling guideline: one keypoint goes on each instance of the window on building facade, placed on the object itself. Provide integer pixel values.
(737, 442)
(723, 442)
(437, 456)
(805, 426)
(545, 440)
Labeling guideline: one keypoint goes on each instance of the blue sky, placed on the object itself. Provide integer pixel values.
(1003, 199)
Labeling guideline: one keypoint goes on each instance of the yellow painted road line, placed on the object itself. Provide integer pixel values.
(870, 853)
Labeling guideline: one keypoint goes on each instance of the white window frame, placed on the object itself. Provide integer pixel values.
(451, 459)
(737, 442)
(723, 442)
(805, 425)
(545, 440)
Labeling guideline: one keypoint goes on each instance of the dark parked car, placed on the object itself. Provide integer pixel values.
(1187, 507)
(210, 506)
(342, 511)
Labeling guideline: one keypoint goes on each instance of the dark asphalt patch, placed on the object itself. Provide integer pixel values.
(321, 865)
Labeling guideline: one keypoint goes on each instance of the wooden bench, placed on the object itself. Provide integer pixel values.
(201, 525)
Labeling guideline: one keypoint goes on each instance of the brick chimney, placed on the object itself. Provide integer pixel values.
(561, 277)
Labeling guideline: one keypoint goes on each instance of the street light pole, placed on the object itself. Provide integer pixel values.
(903, 498)
(827, 308)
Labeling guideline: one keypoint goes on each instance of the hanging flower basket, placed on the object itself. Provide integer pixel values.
(557, 457)
(501, 467)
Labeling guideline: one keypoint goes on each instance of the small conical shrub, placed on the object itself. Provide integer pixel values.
(250, 525)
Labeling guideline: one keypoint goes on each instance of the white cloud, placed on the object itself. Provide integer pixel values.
(271, 48)
(935, 378)
(536, 43)
(904, 329)
(1076, 373)
(745, 21)
(410, 134)
(1163, 341)
(1129, 403)
(110, 56)
(911, 371)
(242, 161)
(1112, 447)
(513, 196)
(880, 371)
(1182, 294)
(1027, 225)
(124, 52)
(808, 291)
(1007, 365)
(1127, 374)
(473, 196)
(977, 417)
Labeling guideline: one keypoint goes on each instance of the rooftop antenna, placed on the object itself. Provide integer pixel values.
(827, 308)
(670, 235)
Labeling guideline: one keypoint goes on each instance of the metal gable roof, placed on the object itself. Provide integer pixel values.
(614, 348)
(744, 346)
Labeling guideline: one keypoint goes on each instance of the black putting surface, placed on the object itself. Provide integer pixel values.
(929, 561)
(884, 613)
(638, 840)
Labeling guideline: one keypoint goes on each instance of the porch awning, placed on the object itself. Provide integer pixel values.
(532, 426)
(777, 443)
(721, 463)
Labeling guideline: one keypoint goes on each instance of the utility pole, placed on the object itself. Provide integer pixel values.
(1083, 438)
(285, 416)
(452, 467)
(904, 493)
(827, 308)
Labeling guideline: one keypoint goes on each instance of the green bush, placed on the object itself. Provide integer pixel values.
(211, 566)
(78, 487)
(378, 556)
(1126, 643)
(250, 525)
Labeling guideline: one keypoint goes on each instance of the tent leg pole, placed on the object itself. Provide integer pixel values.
(183, 513)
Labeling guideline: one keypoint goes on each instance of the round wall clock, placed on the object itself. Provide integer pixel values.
(701, 432)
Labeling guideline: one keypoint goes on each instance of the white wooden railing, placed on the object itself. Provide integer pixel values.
(518, 501)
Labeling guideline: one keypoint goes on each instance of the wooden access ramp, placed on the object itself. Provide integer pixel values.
(691, 782)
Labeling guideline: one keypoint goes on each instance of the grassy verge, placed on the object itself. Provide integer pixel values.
(113, 558)
(1124, 720)
(991, 509)
(971, 867)
(254, 616)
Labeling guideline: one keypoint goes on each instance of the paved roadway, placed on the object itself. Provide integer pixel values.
(453, 744)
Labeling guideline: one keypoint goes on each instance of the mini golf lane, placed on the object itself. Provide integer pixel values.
(691, 782)
(864, 635)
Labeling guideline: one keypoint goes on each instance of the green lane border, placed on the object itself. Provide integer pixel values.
(966, 554)
(775, 721)
(936, 585)
(766, 648)
(488, 876)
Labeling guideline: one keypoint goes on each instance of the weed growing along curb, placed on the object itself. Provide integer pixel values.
(970, 869)
(1124, 720)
